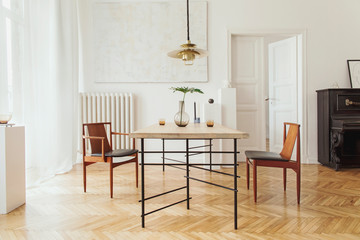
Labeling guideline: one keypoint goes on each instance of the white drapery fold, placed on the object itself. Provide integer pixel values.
(51, 89)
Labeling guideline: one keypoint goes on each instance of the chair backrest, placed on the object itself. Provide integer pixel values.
(98, 130)
(289, 140)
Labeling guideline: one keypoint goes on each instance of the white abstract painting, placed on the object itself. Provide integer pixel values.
(132, 39)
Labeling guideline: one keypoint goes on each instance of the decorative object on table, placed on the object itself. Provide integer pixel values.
(5, 118)
(354, 73)
(181, 118)
(196, 119)
(161, 121)
(188, 50)
(210, 118)
(210, 123)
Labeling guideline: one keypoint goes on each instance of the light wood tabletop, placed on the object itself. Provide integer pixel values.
(191, 131)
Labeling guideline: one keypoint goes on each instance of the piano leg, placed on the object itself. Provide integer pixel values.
(337, 167)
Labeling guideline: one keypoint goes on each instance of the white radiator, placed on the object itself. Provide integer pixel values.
(117, 108)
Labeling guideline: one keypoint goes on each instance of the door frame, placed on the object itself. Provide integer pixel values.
(304, 105)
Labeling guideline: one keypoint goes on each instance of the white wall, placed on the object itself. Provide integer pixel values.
(332, 38)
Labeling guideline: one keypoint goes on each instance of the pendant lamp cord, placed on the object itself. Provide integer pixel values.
(188, 28)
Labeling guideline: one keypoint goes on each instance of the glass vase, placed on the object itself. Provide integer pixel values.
(181, 118)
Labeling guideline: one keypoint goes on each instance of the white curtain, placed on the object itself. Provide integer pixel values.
(51, 88)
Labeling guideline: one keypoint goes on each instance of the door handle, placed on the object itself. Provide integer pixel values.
(268, 99)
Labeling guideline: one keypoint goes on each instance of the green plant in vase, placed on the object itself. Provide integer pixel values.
(181, 118)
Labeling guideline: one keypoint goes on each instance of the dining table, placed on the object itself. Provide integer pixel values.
(193, 131)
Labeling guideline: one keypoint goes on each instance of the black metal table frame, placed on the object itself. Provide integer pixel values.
(187, 153)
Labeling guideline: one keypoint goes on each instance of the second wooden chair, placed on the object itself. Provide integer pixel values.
(282, 160)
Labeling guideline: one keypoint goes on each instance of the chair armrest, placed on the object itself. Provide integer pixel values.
(91, 137)
(118, 133)
(95, 138)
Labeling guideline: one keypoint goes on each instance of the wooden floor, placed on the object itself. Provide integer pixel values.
(59, 209)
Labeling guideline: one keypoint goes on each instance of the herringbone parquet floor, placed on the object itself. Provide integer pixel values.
(58, 209)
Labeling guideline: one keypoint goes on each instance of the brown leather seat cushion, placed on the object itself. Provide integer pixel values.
(262, 155)
(117, 153)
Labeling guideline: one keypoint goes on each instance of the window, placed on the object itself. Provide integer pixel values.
(11, 57)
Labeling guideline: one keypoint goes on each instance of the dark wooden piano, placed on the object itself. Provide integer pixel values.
(339, 127)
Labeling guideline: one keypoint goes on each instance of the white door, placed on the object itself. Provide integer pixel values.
(283, 94)
(248, 79)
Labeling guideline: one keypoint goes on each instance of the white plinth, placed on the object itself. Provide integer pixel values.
(12, 168)
(227, 98)
(212, 112)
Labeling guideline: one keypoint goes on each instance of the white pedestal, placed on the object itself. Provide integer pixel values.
(212, 112)
(12, 168)
(227, 98)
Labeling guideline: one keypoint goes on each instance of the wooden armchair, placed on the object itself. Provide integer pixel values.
(102, 151)
(282, 160)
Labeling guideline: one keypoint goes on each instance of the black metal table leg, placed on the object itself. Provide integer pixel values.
(142, 184)
(235, 183)
(187, 174)
(163, 153)
(210, 154)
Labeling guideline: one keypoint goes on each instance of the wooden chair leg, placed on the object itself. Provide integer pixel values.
(284, 178)
(298, 185)
(111, 178)
(247, 173)
(137, 171)
(254, 180)
(84, 176)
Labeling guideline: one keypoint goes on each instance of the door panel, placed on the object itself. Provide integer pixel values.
(283, 105)
(247, 78)
(246, 121)
(246, 94)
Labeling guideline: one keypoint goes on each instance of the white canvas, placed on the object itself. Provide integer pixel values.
(131, 41)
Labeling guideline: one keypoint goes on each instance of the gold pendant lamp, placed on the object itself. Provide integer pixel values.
(188, 51)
